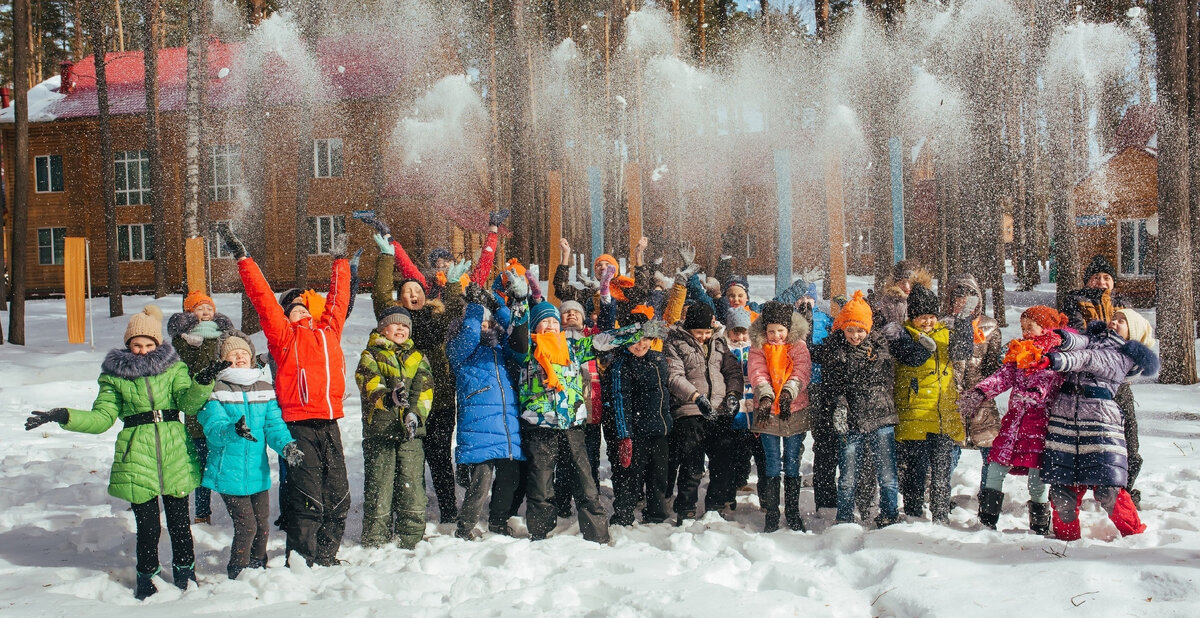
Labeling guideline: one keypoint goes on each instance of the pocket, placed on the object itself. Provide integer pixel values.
(302, 386)
(477, 392)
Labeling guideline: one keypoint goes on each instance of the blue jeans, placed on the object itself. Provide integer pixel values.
(852, 455)
(203, 494)
(792, 448)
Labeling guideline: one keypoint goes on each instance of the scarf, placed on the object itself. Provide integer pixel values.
(1027, 353)
(206, 330)
(779, 368)
(245, 376)
(551, 349)
(979, 336)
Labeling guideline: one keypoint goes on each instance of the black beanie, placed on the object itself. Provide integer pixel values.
(699, 315)
(1099, 264)
(775, 312)
(290, 299)
(921, 301)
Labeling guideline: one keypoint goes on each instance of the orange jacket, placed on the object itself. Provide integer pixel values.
(311, 371)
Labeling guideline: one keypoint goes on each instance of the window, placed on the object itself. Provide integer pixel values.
(133, 177)
(51, 241)
(216, 240)
(135, 243)
(327, 158)
(1135, 246)
(49, 173)
(226, 172)
(863, 241)
(322, 231)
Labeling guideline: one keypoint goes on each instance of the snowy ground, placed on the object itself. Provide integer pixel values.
(66, 547)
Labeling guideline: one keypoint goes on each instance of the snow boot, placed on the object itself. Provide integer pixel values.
(1039, 517)
(791, 503)
(145, 585)
(1064, 531)
(501, 529)
(882, 520)
(233, 571)
(468, 534)
(1125, 515)
(990, 501)
(181, 575)
(257, 563)
(768, 496)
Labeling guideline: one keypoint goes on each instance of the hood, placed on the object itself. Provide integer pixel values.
(378, 342)
(185, 321)
(798, 331)
(125, 364)
(920, 275)
(965, 281)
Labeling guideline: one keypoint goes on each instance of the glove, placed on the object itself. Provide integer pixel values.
(381, 228)
(208, 374)
(411, 422)
(354, 261)
(1050, 359)
(399, 396)
(785, 405)
(1042, 363)
(498, 217)
(243, 430)
(462, 475)
(588, 282)
(655, 329)
(606, 281)
(340, 246)
(663, 281)
(457, 270)
(518, 287)
(385, 247)
(687, 253)
(475, 295)
(293, 455)
(968, 404)
(683, 274)
(764, 405)
(39, 418)
(706, 409)
(927, 342)
(535, 288)
(967, 312)
(891, 331)
(233, 244)
(731, 404)
(625, 452)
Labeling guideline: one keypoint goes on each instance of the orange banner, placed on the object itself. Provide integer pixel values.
(75, 285)
(193, 250)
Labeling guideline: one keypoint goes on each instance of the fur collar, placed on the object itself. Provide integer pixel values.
(798, 332)
(185, 321)
(920, 276)
(122, 363)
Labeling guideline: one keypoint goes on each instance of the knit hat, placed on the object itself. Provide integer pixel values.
(775, 312)
(197, 298)
(605, 259)
(1099, 264)
(738, 317)
(855, 312)
(147, 323)
(540, 312)
(309, 299)
(921, 301)
(440, 254)
(904, 269)
(395, 315)
(1140, 329)
(1047, 317)
(571, 305)
(739, 281)
(699, 316)
(234, 342)
(642, 314)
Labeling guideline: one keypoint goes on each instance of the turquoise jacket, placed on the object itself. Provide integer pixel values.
(237, 466)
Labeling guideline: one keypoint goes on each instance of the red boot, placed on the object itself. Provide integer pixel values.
(1064, 531)
(1125, 515)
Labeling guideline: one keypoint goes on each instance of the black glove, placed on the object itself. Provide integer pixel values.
(293, 455)
(399, 397)
(476, 295)
(411, 422)
(39, 418)
(244, 431)
(340, 247)
(731, 404)
(785, 405)
(379, 226)
(233, 244)
(764, 405)
(208, 374)
(498, 217)
(706, 409)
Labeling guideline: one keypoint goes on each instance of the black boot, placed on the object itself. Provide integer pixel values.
(1039, 517)
(183, 574)
(990, 502)
(233, 571)
(791, 503)
(257, 563)
(768, 496)
(145, 585)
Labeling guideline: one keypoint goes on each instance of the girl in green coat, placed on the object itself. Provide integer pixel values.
(147, 387)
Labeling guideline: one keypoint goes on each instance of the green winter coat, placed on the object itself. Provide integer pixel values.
(381, 368)
(156, 458)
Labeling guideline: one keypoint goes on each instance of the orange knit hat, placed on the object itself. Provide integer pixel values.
(607, 259)
(856, 312)
(197, 298)
(1047, 317)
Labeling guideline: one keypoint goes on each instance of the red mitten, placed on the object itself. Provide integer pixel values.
(625, 452)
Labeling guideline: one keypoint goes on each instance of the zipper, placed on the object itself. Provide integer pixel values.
(162, 486)
(661, 418)
(503, 403)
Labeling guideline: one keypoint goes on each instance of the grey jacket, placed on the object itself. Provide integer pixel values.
(709, 369)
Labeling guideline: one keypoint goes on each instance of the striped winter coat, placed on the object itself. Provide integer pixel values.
(237, 466)
(1085, 443)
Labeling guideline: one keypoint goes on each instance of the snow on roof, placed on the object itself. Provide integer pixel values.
(42, 98)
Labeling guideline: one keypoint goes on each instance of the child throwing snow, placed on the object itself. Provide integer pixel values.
(146, 387)
(241, 420)
(780, 370)
(397, 394)
(1018, 446)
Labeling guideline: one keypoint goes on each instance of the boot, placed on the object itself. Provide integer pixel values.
(501, 529)
(791, 503)
(145, 585)
(257, 563)
(990, 501)
(182, 574)
(1064, 531)
(233, 571)
(768, 495)
(1125, 515)
(1039, 517)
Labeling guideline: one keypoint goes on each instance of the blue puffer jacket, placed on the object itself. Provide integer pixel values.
(487, 406)
(237, 466)
(822, 322)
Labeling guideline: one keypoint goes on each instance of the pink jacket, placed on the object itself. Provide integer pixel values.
(797, 382)
(1023, 428)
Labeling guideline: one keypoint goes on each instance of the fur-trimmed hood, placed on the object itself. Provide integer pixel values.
(185, 321)
(124, 364)
(798, 331)
(920, 275)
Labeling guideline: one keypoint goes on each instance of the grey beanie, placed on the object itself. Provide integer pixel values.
(395, 315)
(737, 318)
(571, 305)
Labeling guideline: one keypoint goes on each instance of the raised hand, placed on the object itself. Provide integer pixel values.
(340, 246)
(687, 252)
(208, 374)
(385, 247)
(381, 228)
(498, 217)
(535, 288)
(457, 270)
(564, 252)
(233, 244)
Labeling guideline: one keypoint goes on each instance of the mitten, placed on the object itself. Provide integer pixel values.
(969, 402)
(785, 405)
(625, 452)
(457, 270)
(683, 274)
(385, 247)
(399, 396)
(475, 295)
(39, 418)
(891, 331)
(687, 253)
(518, 287)
(764, 405)
(243, 430)
(927, 342)
(208, 374)
(381, 228)
(606, 281)
(233, 244)
(706, 409)
(411, 422)
(498, 217)
(535, 288)
(340, 246)
(293, 455)
(731, 404)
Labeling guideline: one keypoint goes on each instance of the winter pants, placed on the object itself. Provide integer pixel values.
(203, 495)
(1066, 500)
(853, 455)
(743, 456)
(1038, 491)
(648, 469)
(687, 462)
(986, 468)
(149, 530)
(791, 448)
(826, 449)
(393, 492)
(1124, 400)
(439, 432)
(318, 492)
(564, 485)
(250, 515)
(541, 451)
(721, 444)
(501, 477)
(918, 460)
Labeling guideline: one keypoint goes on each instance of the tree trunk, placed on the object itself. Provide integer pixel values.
(77, 31)
(197, 40)
(120, 28)
(1193, 34)
(150, 26)
(822, 11)
(96, 26)
(20, 216)
(1174, 278)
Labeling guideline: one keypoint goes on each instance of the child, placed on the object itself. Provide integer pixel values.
(1085, 445)
(1138, 329)
(196, 334)
(241, 420)
(749, 447)
(858, 371)
(930, 427)
(146, 386)
(1018, 446)
(489, 438)
(397, 393)
(574, 328)
(780, 371)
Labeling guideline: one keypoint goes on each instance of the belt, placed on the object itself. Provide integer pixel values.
(1083, 390)
(153, 416)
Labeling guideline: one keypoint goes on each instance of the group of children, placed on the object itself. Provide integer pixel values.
(679, 376)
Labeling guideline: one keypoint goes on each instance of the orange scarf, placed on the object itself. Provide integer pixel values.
(779, 368)
(979, 337)
(550, 349)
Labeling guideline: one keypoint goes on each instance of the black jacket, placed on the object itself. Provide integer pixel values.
(858, 379)
(637, 395)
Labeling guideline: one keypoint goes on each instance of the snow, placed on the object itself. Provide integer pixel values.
(41, 97)
(223, 73)
(67, 547)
